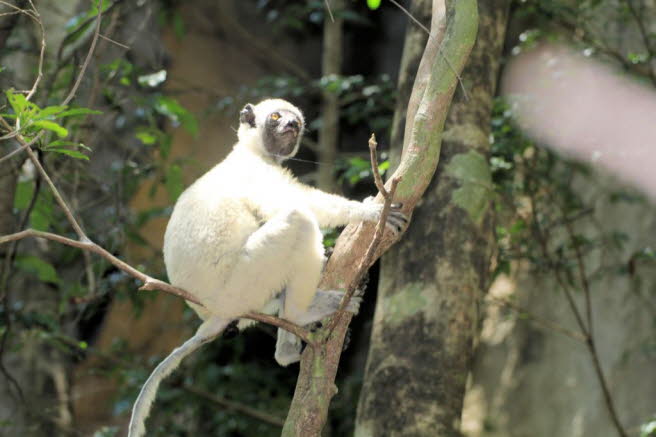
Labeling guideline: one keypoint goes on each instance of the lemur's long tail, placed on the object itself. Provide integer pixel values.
(207, 332)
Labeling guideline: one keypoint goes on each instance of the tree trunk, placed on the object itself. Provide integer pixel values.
(426, 314)
(331, 65)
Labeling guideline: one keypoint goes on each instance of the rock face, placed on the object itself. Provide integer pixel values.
(533, 379)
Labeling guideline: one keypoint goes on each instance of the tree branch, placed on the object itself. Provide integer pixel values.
(368, 258)
(284, 324)
(585, 328)
(150, 283)
(431, 97)
(36, 17)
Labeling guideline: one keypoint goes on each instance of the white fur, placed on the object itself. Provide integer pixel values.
(242, 233)
(216, 247)
(206, 332)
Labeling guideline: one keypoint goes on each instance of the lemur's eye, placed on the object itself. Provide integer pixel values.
(275, 116)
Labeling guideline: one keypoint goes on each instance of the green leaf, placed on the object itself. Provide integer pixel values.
(75, 112)
(373, 4)
(72, 153)
(32, 264)
(104, 5)
(383, 167)
(61, 131)
(23, 194)
(61, 143)
(170, 108)
(174, 184)
(51, 110)
(41, 216)
(165, 145)
(178, 25)
(146, 137)
(18, 102)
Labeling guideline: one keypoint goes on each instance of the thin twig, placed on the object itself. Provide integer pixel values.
(586, 330)
(282, 323)
(235, 406)
(330, 13)
(150, 283)
(373, 157)
(85, 64)
(409, 15)
(73, 90)
(37, 18)
(538, 320)
(22, 147)
(366, 261)
(644, 33)
(542, 241)
(582, 276)
(10, 135)
(58, 196)
(13, 247)
(17, 9)
(106, 38)
(425, 29)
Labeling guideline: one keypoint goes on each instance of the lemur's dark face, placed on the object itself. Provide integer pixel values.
(281, 133)
(281, 129)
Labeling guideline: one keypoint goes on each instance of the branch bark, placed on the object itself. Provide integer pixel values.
(453, 32)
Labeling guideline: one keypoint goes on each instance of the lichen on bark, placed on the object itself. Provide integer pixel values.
(419, 360)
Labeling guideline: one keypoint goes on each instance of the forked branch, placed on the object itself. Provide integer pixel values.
(368, 258)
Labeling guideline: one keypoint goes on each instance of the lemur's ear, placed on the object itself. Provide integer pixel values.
(247, 115)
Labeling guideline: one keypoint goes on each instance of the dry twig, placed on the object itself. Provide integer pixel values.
(363, 267)
(39, 75)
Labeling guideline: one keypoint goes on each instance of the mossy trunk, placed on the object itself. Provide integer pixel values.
(426, 314)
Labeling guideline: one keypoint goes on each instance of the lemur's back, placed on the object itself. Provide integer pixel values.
(209, 225)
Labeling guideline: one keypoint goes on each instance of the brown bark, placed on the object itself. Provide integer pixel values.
(426, 314)
(331, 64)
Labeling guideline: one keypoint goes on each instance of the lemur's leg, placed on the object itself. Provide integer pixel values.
(285, 252)
(326, 302)
(301, 288)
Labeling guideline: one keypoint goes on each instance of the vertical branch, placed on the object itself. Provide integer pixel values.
(585, 328)
(309, 418)
(433, 92)
(368, 258)
(589, 333)
(42, 52)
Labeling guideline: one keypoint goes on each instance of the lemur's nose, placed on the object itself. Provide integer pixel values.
(292, 123)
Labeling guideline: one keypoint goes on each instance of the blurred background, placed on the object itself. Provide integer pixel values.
(542, 315)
